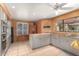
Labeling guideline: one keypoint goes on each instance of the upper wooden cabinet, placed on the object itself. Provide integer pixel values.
(32, 28)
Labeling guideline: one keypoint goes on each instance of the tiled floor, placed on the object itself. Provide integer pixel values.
(18, 48)
(23, 49)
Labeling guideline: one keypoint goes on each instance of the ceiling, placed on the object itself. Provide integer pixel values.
(35, 11)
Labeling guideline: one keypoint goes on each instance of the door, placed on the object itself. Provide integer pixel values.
(12, 36)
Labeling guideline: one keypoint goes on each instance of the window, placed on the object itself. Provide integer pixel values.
(22, 28)
(69, 25)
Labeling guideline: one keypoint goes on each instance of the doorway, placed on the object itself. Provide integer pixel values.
(12, 36)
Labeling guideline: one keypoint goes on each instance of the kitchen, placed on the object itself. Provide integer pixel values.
(34, 26)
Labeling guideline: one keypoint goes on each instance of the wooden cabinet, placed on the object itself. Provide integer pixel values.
(32, 28)
(3, 36)
(4, 32)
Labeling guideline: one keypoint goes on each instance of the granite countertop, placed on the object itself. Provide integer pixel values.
(73, 36)
(70, 35)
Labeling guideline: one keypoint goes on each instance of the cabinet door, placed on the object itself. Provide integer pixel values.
(0, 38)
(55, 40)
(8, 33)
(64, 43)
(66, 46)
(34, 41)
(39, 41)
(44, 40)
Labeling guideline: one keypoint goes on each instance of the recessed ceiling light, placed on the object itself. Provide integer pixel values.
(13, 6)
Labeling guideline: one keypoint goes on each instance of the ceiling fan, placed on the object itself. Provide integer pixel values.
(60, 6)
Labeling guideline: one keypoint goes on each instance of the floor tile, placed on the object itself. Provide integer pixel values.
(23, 49)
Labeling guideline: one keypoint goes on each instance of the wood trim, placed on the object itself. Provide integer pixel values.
(66, 13)
(6, 10)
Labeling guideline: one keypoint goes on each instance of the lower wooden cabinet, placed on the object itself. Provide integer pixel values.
(22, 38)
